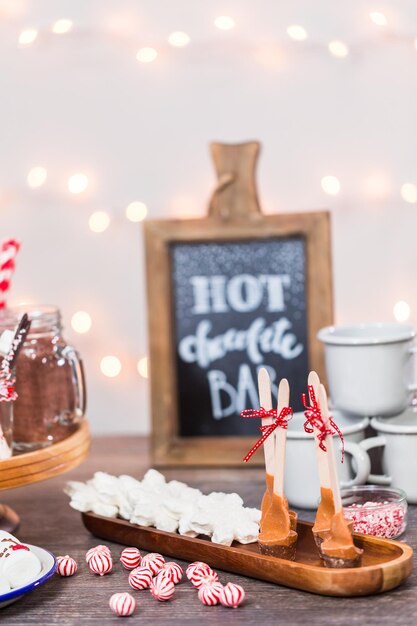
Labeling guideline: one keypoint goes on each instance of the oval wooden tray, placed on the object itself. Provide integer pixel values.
(31, 467)
(385, 563)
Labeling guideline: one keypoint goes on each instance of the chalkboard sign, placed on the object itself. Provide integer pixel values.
(228, 294)
(237, 306)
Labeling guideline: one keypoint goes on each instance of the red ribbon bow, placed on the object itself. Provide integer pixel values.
(314, 420)
(281, 421)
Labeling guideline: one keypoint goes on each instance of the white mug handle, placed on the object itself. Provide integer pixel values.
(368, 444)
(363, 464)
(412, 386)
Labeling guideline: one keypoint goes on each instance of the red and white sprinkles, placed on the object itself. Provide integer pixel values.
(162, 588)
(123, 604)
(380, 519)
(173, 571)
(232, 595)
(210, 594)
(65, 565)
(140, 578)
(100, 563)
(96, 549)
(154, 561)
(130, 558)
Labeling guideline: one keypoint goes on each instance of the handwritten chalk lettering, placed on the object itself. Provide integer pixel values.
(226, 400)
(255, 341)
(242, 293)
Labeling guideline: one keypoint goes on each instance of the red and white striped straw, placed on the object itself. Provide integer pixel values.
(8, 251)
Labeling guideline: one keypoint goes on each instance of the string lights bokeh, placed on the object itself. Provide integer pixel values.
(77, 183)
(401, 311)
(110, 366)
(297, 32)
(409, 193)
(99, 221)
(378, 18)
(224, 22)
(37, 177)
(81, 322)
(143, 367)
(27, 37)
(62, 26)
(136, 211)
(338, 49)
(330, 185)
(146, 55)
(179, 39)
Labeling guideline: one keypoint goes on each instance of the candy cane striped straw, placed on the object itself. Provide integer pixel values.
(8, 251)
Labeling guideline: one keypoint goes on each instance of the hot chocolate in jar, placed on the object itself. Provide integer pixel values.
(49, 380)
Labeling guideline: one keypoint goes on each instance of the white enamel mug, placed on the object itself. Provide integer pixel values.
(301, 483)
(370, 367)
(398, 439)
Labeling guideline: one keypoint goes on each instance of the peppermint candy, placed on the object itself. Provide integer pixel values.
(202, 577)
(95, 549)
(123, 604)
(130, 558)
(162, 588)
(173, 571)
(210, 594)
(65, 565)
(154, 561)
(140, 578)
(100, 563)
(232, 595)
(195, 566)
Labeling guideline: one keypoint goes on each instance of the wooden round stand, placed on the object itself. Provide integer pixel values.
(32, 467)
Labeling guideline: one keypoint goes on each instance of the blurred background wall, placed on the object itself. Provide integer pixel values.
(81, 93)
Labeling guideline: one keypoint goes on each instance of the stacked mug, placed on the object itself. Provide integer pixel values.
(370, 378)
(370, 371)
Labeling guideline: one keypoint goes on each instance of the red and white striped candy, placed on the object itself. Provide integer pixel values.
(95, 549)
(232, 595)
(8, 251)
(210, 594)
(203, 577)
(140, 578)
(100, 563)
(162, 588)
(123, 604)
(196, 566)
(130, 558)
(65, 565)
(173, 571)
(154, 561)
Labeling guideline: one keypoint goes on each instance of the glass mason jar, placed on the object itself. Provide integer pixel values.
(6, 421)
(49, 380)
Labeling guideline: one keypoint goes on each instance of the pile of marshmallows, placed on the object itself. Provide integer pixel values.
(160, 577)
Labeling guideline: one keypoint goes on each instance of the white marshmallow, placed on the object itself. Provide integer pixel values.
(168, 506)
(166, 522)
(19, 566)
(4, 585)
(106, 510)
(223, 534)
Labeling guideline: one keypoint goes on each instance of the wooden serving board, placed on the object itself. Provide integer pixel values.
(32, 467)
(385, 563)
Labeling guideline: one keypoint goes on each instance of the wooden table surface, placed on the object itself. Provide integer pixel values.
(48, 521)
